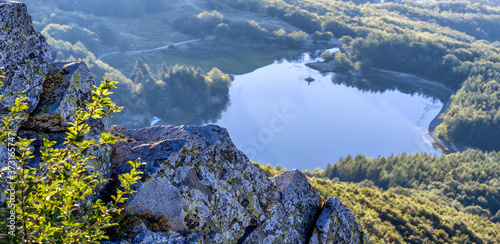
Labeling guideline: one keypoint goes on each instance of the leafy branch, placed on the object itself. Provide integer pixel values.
(55, 202)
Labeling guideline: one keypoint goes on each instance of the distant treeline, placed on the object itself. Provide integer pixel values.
(468, 181)
(214, 23)
(455, 43)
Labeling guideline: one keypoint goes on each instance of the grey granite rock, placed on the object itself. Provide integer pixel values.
(142, 235)
(24, 60)
(204, 184)
(24, 55)
(67, 87)
(197, 177)
(292, 212)
(54, 91)
(337, 224)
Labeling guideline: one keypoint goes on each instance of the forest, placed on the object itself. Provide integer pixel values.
(417, 198)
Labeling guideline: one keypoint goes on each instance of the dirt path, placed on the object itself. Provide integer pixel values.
(148, 50)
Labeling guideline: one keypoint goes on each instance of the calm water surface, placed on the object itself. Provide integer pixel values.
(276, 117)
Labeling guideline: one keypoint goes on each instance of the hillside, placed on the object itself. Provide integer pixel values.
(417, 198)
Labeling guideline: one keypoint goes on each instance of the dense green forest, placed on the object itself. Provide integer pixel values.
(468, 181)
(417, 198)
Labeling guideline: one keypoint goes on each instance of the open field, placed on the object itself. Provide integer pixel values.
(230, 58)
(156, 30)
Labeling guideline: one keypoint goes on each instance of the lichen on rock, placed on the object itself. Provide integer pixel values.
(67, 86)
(197, 176)
(24, 60)
(336, 224)
(24, 55)
(292, 211)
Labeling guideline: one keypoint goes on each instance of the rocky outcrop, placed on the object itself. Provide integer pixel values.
(54, 90)
(197, 186)
(196, 176)
(24, 60)
(209, 189)
(291, 213)
(24, 55)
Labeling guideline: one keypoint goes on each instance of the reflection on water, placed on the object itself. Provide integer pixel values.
(276, 117)
(382, 81)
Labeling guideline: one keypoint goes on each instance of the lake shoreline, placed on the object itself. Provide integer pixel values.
(441, 144)
(438, 143)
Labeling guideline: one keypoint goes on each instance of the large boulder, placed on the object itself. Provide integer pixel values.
(198, 178)
(337, 224)
(206, 187)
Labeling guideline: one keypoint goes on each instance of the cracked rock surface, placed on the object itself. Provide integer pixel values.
(208, 188)
(24, 55)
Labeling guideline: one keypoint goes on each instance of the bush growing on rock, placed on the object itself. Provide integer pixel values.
(55, 202)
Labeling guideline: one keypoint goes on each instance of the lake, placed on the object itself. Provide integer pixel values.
(276, 117)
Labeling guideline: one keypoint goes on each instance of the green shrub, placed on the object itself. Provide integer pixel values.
(54, 202)
(327, 55)
(322, 36)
